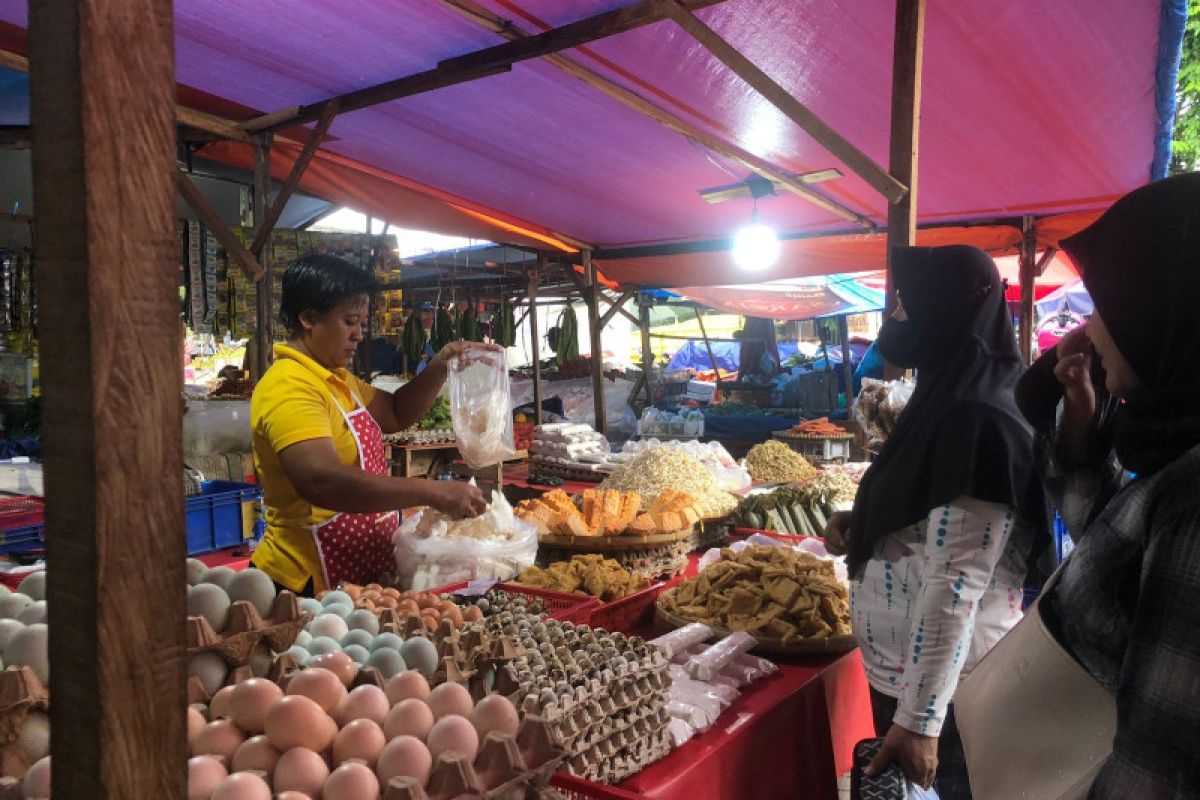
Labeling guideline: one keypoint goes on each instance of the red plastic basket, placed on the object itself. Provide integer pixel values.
(746, 533)
(21, 512)
(573, 788)
(559, 605)
(522, 435)
(628, 613)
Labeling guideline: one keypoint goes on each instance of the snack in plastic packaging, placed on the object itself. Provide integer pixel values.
(682, 638)
(712, 661)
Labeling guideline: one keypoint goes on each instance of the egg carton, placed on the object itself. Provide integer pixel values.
(506, 768)
(610, 763)
(466, 655)
(418, 436)
(20, 693)
(245, 628)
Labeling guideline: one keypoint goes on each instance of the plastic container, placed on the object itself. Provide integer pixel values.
(559, 605)
(23, 540)
(629, 613)
(21, 512)
(226, 514)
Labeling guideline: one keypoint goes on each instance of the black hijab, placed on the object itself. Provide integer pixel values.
(1141, 264)
(961, 433)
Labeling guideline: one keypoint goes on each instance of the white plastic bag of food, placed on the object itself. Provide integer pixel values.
(481, 407)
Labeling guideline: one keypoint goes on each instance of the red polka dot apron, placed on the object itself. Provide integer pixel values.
(357, 548)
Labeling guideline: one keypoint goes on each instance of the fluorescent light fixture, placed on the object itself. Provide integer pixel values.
(755, 247)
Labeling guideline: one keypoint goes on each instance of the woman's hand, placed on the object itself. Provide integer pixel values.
(1074, 372)
(461, 348)
(837, 533)
(456, 500)
(916, 755)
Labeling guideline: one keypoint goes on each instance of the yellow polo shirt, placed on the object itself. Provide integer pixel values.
(297, 400)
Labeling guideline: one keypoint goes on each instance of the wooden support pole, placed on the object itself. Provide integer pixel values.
(843, 326)
(617, 307)
(264, 303)
(212, 220)
(591, 296)
(907, 54)
(647, 351)
(210, 124)
(535, 337)
(785, 178)
(1028, 274)
(315, 137)
(108, 285)
(858, 161)
(708, 343)
(1044, 262)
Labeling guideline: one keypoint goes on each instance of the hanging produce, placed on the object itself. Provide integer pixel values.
(468, 324)
(442, 331)
(568, 337)
(505, 325)
(414, 338)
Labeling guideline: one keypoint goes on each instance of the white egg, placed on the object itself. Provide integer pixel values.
(330, 625)
(29, 648)
(13, 604)
(34, 585)
(33, 613)
(210, 668)
(358, 637)
(363, 620)
(209, 601)
(219, 576)
(4, 590)
(255, 587)
(387, 661)
(34, 736)
(388, 639)
(195, 571)
(337, 597)
(9, 628)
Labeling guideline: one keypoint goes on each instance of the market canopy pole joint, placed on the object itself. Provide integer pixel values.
(209, 216)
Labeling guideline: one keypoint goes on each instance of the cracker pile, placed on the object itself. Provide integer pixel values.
(600, 577)
(770, 592)
(661, 468)
(775, 462)
(609, 512)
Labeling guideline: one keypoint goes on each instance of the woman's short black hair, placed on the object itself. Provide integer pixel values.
(318, 282)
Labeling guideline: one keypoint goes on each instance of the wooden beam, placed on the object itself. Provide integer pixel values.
(731, 191)
(267, 120)
(858, 161)
(315, 137)
(535, 338)
(209, 216)
(1045, 260)
(262, 294)
(708, 344)
(480, 15)
(566, 37)
(617, 307)
(907, 54)
(1028, 275)
(647, 352)
(591, 296)
(843, 327)
(210, 124)
(14, 61)
(101, 108)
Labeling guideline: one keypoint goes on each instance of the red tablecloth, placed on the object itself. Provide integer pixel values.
(236, 558)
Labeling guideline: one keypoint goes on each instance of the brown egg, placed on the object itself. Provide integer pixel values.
(256, 753)
(339, 664)
(425, 601)
(300, 770)
(406, 594)
(363, 702)
(407, 607)
(404, 755)
(444, 605)
(205, 774)
(250, 702)
(367, 604)
(375, 586)
(391, 591)
(472, 614)
(196, 724)
(296, 721)
(454, 615)
(453, 734)
(218, 707)
(219, 738)
(404, 685)
(450, 699)
(409, 717)
(291, 795)
(319, 685)
(351, 781)
(354, 591)
(242, 786)
(361, 739)
(430, 622)
(388, 602)
(495, 713)
(372, 595)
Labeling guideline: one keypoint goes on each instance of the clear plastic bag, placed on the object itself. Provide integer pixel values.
(878, 407)
(481, 407)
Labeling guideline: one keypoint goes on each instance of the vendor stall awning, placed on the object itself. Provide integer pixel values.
(792, 298)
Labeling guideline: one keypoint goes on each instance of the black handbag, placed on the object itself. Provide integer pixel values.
(887, 785)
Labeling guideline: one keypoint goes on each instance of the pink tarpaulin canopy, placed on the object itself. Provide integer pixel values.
(1028, 107)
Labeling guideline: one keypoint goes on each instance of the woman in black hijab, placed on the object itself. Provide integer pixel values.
(1126, 604)
(941, 529)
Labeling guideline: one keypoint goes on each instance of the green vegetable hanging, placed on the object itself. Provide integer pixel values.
(568, 337)
(468, 324)
(414, 338)
(443, 331)
(505, 325)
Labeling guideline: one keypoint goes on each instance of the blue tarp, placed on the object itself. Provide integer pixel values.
(694, 355)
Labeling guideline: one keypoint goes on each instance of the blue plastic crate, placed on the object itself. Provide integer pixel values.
(23, 540)
(226, 514)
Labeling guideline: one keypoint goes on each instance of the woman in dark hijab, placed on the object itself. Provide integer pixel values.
(1126, 604)
(941, 530)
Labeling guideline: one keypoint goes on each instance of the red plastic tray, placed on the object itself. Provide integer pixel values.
(573, 788)
(628, 613)
(21, 512)
(746, 533)
(559, 605)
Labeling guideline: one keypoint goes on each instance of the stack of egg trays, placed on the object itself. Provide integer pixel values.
(243, 631)
(20, 693)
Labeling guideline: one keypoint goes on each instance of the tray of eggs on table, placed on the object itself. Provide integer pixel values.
(601, 519)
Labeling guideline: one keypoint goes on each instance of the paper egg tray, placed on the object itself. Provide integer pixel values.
(245, 628)
(506, 768)
(466, 655)
(20, 693)
(664, 561)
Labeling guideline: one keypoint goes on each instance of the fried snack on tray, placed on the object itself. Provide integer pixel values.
(595, 575)
(770, 592)
(601, 513)
(662, 469)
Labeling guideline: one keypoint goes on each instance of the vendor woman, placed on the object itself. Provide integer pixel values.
(318, 439)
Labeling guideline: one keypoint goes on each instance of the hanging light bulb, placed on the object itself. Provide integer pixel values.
(755, 247)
